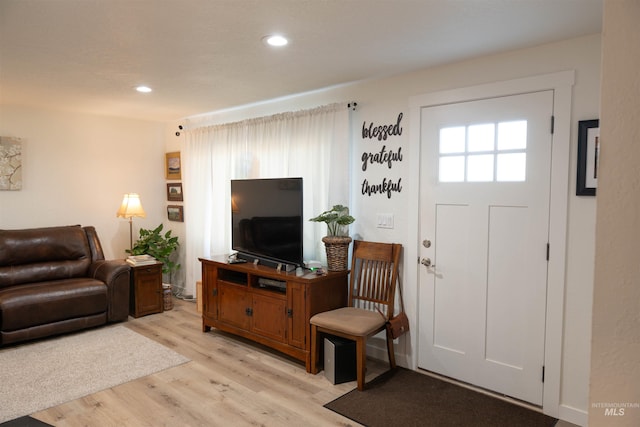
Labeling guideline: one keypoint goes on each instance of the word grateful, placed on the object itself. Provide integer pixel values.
(382, 157)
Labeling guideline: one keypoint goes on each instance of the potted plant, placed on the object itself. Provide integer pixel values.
(336, 243)
(158, 245)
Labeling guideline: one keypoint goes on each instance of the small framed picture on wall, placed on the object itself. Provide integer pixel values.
(174, 192)
(173, 168)
(588, 156)
(175, 213)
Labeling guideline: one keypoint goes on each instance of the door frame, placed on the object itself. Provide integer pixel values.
(561, 83)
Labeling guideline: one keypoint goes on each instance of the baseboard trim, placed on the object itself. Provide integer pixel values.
(573, 415)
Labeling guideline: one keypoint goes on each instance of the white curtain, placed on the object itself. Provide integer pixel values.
(312, 144)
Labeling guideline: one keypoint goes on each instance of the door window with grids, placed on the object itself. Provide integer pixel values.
(484, 152)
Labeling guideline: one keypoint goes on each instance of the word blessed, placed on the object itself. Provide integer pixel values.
(386, 187)
(381, 132)
(382, 157)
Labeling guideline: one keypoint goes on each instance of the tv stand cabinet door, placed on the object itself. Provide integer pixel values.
(297, 319)
(268, 317)
(209, 295)
(234, 305)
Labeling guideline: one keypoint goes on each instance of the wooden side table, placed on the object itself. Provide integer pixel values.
(145, 290)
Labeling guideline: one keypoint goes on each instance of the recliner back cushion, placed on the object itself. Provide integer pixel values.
(38, 254)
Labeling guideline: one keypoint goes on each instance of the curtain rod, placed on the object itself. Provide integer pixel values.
(351, 105)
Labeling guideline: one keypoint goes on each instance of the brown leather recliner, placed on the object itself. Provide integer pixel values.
(55, 280)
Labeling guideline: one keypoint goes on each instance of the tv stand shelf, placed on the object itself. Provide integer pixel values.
(267, 306)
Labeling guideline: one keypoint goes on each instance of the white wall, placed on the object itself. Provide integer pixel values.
(380, 101)
(173, 144)
(615, 369)
(77, 167)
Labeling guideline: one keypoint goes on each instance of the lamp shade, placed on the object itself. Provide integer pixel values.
(131, 207)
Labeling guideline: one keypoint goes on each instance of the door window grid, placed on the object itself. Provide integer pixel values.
(477, 153)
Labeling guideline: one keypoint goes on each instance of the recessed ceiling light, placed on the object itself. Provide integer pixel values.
(275, 40)
(143, 89)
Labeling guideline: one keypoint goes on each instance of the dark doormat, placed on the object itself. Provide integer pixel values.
(25, 422)
(406, 398)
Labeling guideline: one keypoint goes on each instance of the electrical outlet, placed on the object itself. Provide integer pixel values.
(384, 221)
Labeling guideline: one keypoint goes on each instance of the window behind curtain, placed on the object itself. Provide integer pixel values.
(312, 144)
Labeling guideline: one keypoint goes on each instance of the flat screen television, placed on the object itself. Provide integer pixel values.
(266, 217)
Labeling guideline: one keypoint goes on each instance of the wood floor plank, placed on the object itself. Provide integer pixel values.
(229, 381)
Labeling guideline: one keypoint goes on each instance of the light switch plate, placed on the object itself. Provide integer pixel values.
(384, 220)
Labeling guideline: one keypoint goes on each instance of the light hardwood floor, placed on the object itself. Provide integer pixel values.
(228, 382)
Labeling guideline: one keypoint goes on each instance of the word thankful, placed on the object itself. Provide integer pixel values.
(381, 132)
(385, 187)
(382, 157)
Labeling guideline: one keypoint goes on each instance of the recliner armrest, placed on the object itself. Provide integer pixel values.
(115, 274)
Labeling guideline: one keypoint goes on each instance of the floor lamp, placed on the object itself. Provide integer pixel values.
(131, 207)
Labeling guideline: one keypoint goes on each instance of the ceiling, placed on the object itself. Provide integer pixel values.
(207, 55)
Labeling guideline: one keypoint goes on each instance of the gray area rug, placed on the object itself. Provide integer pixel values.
(43, 374)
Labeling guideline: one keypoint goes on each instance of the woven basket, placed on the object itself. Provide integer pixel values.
(337, 248)
(167, 297)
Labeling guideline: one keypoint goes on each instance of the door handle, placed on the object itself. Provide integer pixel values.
(427, 262)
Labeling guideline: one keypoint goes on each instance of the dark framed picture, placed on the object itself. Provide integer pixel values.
(174, 192)
(175, 213)
(173, 169)
(588, 156)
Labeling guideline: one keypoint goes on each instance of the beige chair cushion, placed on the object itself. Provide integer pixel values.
(350, 320)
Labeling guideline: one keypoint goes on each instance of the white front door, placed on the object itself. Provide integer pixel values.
(484, 225)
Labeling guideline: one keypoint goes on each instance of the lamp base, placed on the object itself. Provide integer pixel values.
(130, 233)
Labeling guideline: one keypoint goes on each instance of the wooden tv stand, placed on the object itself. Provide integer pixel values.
(269, 307)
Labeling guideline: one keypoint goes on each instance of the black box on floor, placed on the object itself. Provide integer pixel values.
(339, 360)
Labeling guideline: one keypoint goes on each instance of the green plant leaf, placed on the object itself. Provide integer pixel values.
(159, 246)
(337, 218)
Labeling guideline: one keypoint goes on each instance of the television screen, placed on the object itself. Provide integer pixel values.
(267, 218)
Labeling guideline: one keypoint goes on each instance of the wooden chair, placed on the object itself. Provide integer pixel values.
(374, 271)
